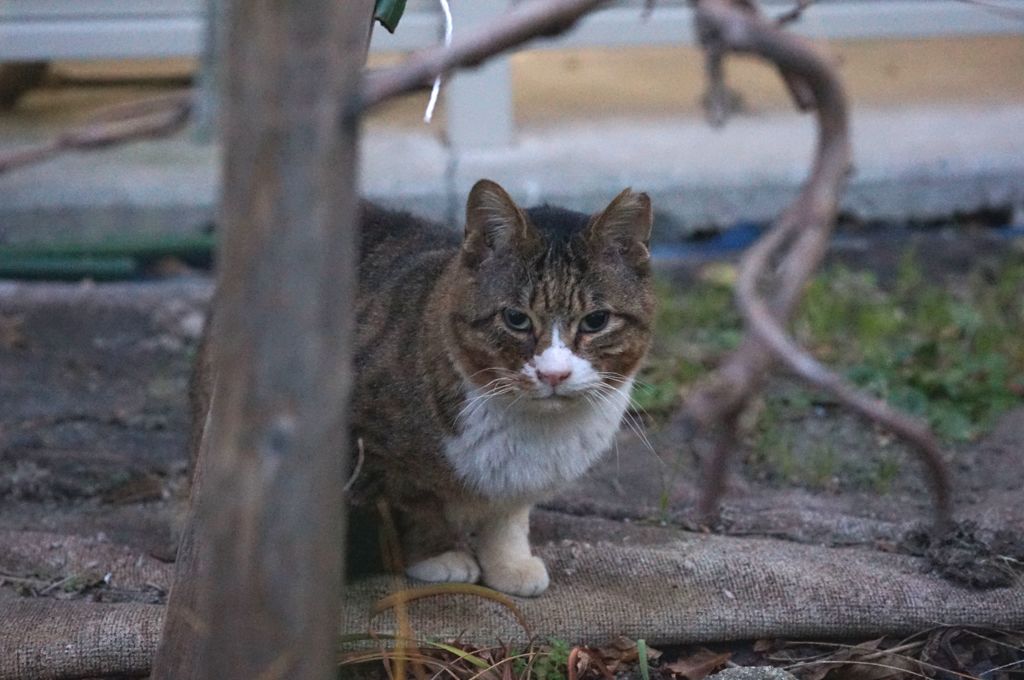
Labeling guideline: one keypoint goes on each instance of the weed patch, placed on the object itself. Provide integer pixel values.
(951, 353)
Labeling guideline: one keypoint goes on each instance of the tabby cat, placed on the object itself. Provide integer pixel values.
(492, 370)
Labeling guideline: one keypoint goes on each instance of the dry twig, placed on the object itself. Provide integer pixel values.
(529, 20)
(165, 115)
(538, 18)
(152, 117)
(793, 249)
(1004, 11)
(793, 13)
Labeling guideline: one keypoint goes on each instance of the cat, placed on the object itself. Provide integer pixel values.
(491, 371)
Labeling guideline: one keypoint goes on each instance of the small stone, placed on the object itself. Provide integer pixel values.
(191, 325)
(753, 673)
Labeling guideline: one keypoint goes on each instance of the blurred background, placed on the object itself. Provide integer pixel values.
(937, 91)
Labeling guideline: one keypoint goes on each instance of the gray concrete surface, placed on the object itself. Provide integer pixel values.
(920, 163)
(938, 127)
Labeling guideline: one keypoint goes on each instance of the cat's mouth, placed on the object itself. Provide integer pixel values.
(553, 403)
(554, 398)
(557, 396)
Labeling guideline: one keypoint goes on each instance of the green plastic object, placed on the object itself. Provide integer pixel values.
(68, 269)
(388, 12)
(146, 248)
(110, 259)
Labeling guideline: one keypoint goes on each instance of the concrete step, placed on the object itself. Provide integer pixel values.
(910, 163)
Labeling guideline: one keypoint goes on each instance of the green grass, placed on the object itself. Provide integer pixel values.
(953, 355)
(548, 662)
(693, 329)
(641, 650)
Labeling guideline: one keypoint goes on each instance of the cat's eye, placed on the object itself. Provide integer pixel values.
(595, 321)
(516, 319)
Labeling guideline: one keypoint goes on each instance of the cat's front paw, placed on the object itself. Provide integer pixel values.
(448, 567)
(526, 577)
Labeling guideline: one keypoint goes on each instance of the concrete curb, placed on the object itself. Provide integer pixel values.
(910, 163)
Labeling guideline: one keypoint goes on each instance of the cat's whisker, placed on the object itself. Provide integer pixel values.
(485, 392)
(468, 413)
(477, 402)
(515, 401)
(499, 379)
(633, 403)
(631, 421)
(503, 386)
(603, 394)
(621, 379)
(615, 440)
(612, 374)
(638, 428)
(636, 406)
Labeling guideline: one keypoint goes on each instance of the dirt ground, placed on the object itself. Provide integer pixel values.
(93, 427)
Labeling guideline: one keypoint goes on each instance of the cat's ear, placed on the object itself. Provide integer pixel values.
(494, 223)
(623, 228)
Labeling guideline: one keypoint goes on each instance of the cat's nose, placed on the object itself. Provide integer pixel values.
(553, 378)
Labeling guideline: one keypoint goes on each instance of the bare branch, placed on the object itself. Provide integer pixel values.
(797, 242)
(152, 117)
(995, 8)
(716, 467)
(720, 101)
(529, 20)
(165, 115)
(793, 14)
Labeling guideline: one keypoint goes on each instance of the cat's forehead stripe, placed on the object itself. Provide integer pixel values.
(557, 287)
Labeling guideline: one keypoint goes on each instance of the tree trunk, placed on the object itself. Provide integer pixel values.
(259, 571)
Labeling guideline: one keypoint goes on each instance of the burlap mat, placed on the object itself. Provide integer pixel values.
(49, 639)
(687, 588)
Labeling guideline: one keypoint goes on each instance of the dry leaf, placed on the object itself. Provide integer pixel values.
(11, 335)
(621, 651)
(698, 666)
(590, 665)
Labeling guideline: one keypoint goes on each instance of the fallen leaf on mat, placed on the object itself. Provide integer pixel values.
(698, 666)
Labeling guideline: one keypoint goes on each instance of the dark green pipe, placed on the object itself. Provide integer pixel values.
(141, 247)
(68, 269)
(109, 259)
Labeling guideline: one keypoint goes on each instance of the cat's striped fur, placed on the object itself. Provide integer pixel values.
(491, 370)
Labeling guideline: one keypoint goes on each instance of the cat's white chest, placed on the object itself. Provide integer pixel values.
(507, 452)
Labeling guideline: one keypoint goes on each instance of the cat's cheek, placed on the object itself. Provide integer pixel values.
(476, 359)
(624, 359)
(481, 353)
